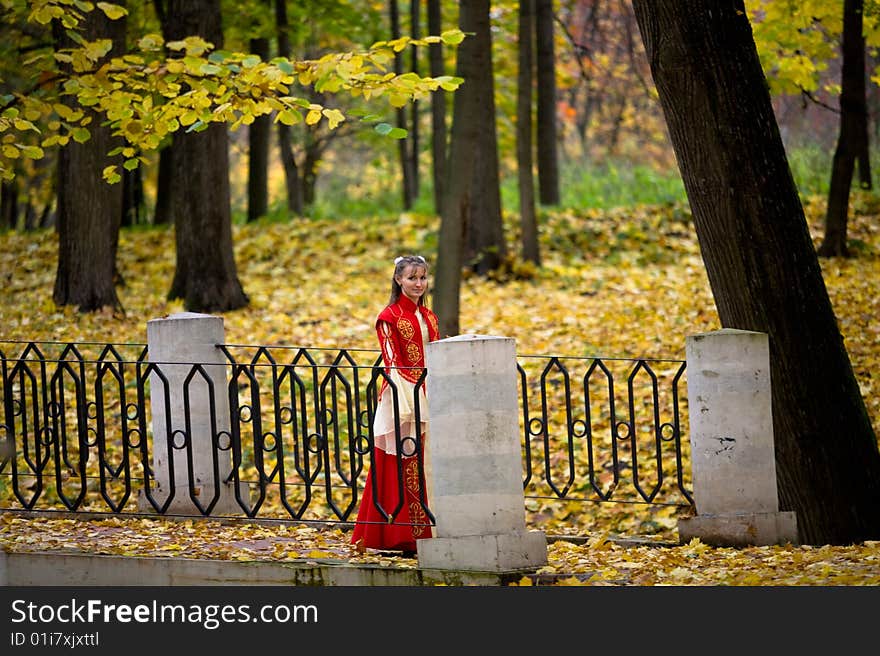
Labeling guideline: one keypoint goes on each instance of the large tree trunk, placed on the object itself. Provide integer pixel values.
(295, 201)
(258, 151)
(89, 209)
(528, 219)
(205, 275)
(852, 141)
(760, 260)
(548, 165)
(438, 105)
(470, 224)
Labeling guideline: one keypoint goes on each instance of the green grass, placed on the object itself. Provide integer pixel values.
(607, 185)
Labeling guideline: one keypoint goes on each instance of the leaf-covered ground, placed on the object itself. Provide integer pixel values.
(596, 561)
(620, 283)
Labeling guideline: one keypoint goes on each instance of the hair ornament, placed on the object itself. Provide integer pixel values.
(400, 258)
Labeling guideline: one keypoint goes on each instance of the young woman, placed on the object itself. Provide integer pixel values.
(403, 327)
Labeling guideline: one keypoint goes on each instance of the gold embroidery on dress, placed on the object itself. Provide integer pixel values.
(433, 321)
(413, 352)
(405, 327)
(411, 476)
(417, 516)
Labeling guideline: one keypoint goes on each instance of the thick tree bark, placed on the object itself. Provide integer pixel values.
(89, 209)
(760, 260)
(470, 227)
(852, 140)
(438, 105)
(259, 133)
(548, 163)
(205, 275)
(528, 219)
(295, 201)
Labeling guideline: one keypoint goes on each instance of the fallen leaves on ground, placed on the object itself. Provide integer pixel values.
(624, 283)
(599, 560)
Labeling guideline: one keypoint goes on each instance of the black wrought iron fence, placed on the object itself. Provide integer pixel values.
(100, 428)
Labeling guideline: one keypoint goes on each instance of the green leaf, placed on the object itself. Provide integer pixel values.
(112, 11)
(387, 130)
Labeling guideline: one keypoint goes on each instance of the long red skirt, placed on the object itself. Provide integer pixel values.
(371, 529)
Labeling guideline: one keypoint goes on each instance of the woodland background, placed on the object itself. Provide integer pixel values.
(614, 269)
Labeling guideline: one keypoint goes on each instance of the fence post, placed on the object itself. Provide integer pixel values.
(732, 450)
(189, 338)
(475, 479)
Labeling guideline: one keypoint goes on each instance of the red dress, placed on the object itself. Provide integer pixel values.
(403, 329)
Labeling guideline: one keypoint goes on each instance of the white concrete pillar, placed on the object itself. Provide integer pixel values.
(190, 338)
(731, 436)
(475, 479)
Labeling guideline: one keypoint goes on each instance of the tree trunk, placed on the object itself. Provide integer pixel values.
(258, 151)
(403, 145)
(414, 144)
(164, 183)
(89, 209)
(852, 141)
(548, 165)
(132, 196)
(9, 205)
(471, 217)
(438, 105)
(760, 260)
(528, 220)
(205, 275)
(295, 201)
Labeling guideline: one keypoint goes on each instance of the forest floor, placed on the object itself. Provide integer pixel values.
(624, 283)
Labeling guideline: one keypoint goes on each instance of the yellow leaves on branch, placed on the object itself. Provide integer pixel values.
(146, 95)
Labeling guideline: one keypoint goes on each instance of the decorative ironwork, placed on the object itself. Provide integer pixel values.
(97, 428)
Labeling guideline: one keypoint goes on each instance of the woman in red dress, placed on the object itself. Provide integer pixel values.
(403, 327)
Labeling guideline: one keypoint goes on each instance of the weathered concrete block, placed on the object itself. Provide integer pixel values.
(740, 530)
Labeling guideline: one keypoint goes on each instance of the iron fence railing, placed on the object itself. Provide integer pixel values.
(87, 427)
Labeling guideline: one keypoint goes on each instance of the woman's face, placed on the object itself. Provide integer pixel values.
(413, 281)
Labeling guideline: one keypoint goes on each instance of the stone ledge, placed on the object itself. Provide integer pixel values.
(740, 529)
(48, 568)
(504, 552)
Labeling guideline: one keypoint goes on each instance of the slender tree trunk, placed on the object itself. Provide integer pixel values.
(132, 196)
(528, 219)
(548, 164)
(760, 260)
(415, 33)
(403, 145)
(314, 152)
(471, 216)
(162, 210)
(9, 205)
(295, 201)
(205, 276)
(259, 133)
(438, 105)
(852, 141)
(89, 209)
